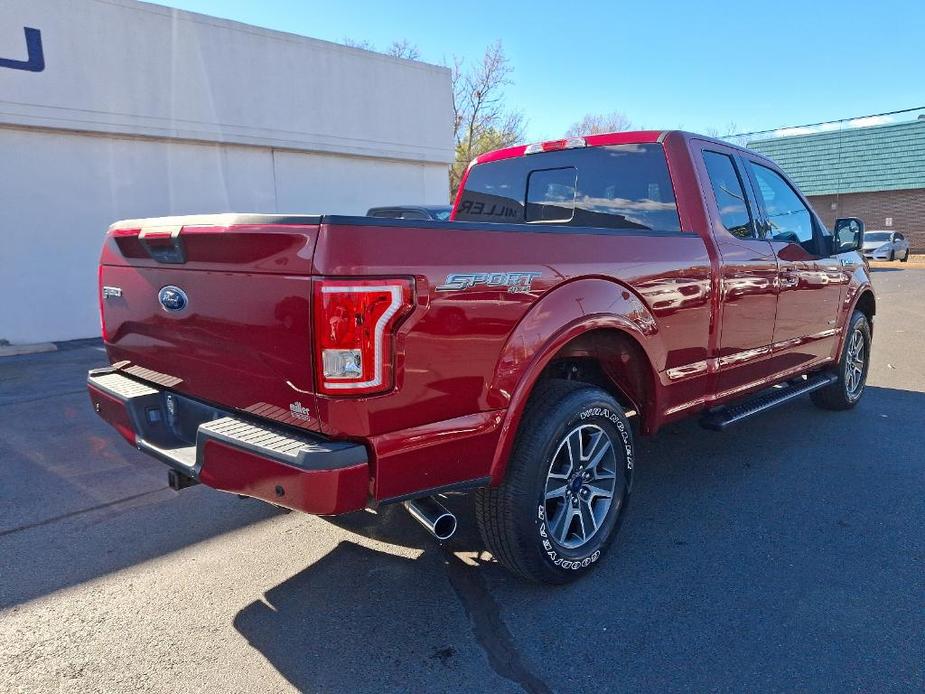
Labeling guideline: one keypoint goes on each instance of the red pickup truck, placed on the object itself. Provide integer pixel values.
(586, 290)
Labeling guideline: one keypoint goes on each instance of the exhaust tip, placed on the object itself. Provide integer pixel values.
(439, 522)
(445, 526)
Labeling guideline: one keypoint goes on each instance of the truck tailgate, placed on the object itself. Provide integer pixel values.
(217, 307)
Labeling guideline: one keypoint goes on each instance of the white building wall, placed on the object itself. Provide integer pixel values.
(145, 111)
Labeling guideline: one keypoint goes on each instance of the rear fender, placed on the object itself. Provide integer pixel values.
(564, 314)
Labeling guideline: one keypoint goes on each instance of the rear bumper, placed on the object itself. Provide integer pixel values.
(232, 454)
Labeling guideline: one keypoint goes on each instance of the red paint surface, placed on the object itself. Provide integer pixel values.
(707, 310)
(323, 492)
(113, 412)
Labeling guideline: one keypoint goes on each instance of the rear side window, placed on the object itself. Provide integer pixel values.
(729, 194)
(617, 187)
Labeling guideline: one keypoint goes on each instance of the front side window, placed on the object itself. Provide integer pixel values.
(729, 195)
(616, 187)
(788, 217)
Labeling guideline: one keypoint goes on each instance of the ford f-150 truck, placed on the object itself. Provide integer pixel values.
(587, 291)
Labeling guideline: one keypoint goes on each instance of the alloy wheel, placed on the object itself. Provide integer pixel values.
(580, 486)
(854, 365)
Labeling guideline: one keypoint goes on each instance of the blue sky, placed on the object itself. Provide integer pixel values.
(759, 65)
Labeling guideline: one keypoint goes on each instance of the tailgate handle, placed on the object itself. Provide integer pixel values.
(163, 243)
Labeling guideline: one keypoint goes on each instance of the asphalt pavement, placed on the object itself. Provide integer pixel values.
(785, 554)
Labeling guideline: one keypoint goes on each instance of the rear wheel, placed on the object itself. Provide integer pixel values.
(852, 368)
(906, 257)
(567, 484)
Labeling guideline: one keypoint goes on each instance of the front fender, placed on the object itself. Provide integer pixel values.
(858, 285)
(560, 316)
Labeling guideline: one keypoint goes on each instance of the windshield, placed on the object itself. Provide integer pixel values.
(442, 215)
(877, 236)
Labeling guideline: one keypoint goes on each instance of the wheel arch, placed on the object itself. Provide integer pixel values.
(596, 326)
(865, 302)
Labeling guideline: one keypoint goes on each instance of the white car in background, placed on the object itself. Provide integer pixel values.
(885, 245)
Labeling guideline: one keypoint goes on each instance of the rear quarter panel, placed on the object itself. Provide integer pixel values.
(463, 354)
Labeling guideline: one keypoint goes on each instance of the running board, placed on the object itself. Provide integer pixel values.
(721, 418)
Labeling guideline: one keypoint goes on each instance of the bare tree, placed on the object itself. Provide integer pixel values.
(481, 120)
(597, 123)
(728, 132)
(404, 49)
(353, 43)
(398, 49)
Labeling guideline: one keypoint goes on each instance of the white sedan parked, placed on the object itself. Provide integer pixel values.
(885, 245)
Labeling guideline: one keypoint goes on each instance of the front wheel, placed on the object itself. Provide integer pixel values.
(846, 391)
(567, 484)
(906, 257)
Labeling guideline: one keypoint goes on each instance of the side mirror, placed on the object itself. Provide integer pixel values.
(848, 235)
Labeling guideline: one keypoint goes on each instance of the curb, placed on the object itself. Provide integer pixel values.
(16, 350)
(39, 347)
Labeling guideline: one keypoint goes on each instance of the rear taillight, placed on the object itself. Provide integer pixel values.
(355, 321)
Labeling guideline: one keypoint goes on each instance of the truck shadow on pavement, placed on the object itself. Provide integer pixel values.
(772, 543)
(362, 619)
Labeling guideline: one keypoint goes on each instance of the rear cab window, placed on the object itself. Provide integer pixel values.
(615, 187)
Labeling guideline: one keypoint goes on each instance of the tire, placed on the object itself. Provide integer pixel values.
(846, 392)
(527, 521)
(906, 257)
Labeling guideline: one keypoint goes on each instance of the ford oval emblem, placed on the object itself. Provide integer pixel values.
(172, 298)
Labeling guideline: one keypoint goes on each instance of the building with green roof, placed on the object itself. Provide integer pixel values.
(876, 173)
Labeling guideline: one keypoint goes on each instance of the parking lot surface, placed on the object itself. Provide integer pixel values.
(785, 554)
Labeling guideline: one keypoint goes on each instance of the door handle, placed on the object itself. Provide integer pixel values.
(833, 273)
